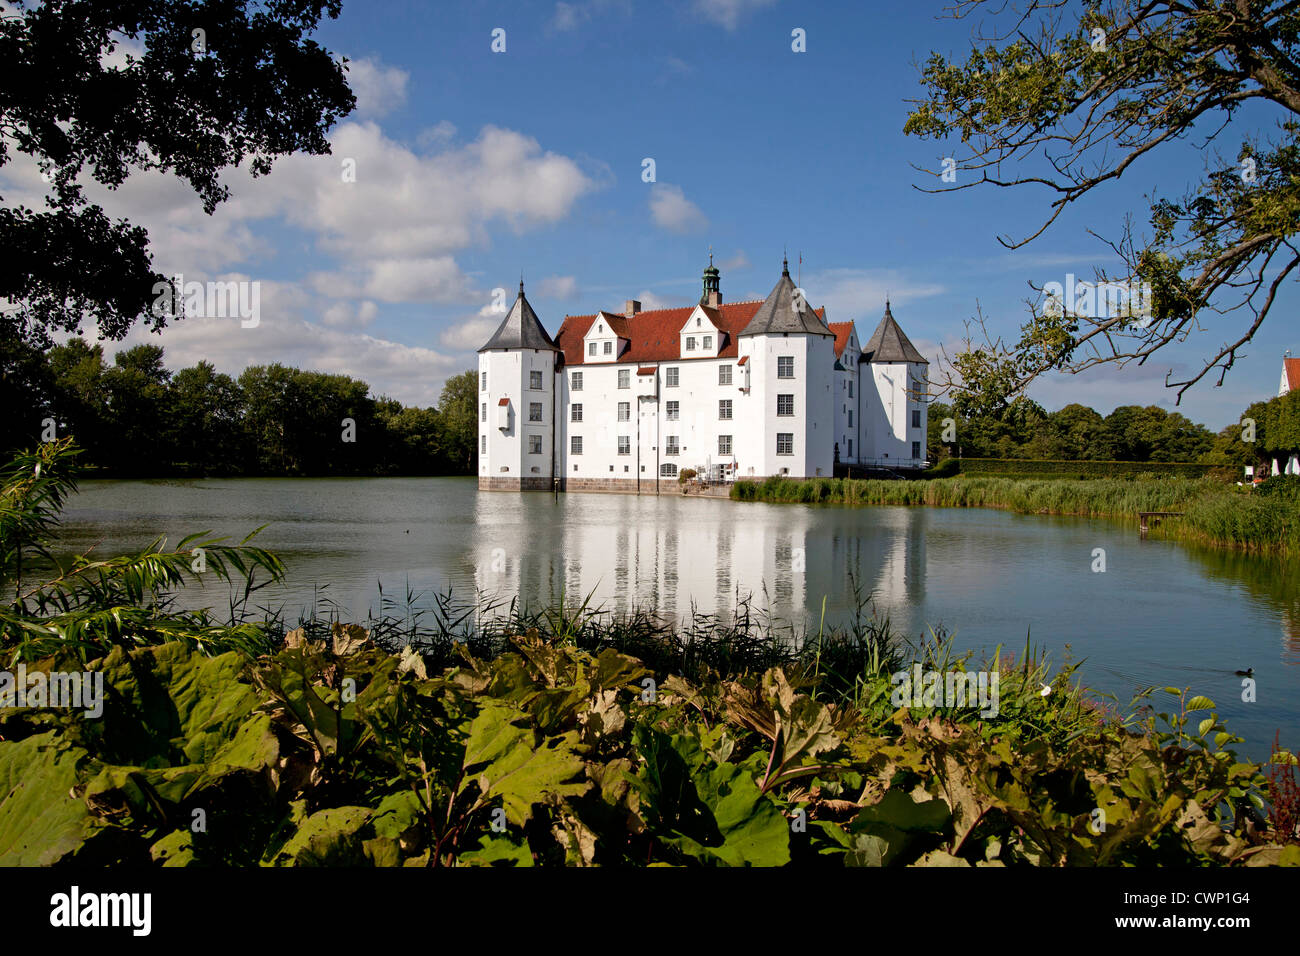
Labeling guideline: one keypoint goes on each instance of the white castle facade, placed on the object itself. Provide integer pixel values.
(735, 391)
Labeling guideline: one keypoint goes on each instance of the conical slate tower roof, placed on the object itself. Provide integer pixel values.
(521, 329)
(889, 344)
(779, 312)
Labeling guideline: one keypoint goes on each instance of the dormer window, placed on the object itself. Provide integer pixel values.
(708, 342)
(690, 343)
(591, 348)
(697, 321)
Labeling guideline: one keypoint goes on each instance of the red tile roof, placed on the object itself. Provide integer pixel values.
(1292, 368)
(841, 330)
(646, 370)
(654, 334)
(504, 401)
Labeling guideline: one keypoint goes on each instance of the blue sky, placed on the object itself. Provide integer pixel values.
(473, 166)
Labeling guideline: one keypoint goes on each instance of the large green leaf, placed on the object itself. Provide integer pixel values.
(169, 704)
(753, 829)
(41, 822)
(332, 837)
(503, 756)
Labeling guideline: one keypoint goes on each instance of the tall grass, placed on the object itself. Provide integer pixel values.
(1215, 513)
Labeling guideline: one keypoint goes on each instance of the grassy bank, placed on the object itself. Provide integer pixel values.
(1215, 513)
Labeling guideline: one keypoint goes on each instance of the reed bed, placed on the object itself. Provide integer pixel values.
(1215, 513)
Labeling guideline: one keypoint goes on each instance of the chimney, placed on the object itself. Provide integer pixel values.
(631, 307)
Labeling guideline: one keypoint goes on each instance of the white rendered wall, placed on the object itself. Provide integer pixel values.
(508, 377)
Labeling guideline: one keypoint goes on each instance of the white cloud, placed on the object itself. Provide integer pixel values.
(738, 261)
(859, 294)
(671, 210)
(557, 287)
(406, 206)
(470, 332)
(411, 374)
(729, 13)
(347, 315)
(436, 137)
(123, 47)
(649, 301)
(570, 16)
(379, 89)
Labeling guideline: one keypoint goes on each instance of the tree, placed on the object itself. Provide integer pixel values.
(80, 401)
(135, 387)
(216, 86)
(458, 405)
(204, 418)
(1069, 97)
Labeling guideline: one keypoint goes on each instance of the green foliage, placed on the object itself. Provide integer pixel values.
(1024, 467)
(134, 417)
(85, 118)
(1074, 96)
(1216, 513)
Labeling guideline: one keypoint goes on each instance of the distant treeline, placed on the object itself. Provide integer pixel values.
(135, 418)
(1130, 433)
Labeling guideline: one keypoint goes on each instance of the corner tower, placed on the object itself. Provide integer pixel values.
(788, 353)
(516, 403)
(895, 382)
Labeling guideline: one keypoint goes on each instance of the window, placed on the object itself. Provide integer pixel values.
(535, 381)
(625, 378)
(724, 444)
(482, 415)
(534, 444)
(850, 447)
(850, 418)
(671, 447)
(575, 444)
(785, 443)
(534, 411)
(916, 449)
(575, 383)
(482, 445)
(724, 408)
(575, 413)
(591, 348)
(609, 348)
(667, 470)
(674, 411)
(624, 445)
(482, 381)
(670, 378)
(850, 388)
(624, 411)
(785, 404)
(708, 342)
(916, 419)
(724, 374)
(690, 343)
(785, 366)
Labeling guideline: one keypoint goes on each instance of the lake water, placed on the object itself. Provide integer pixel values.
(1160, 614)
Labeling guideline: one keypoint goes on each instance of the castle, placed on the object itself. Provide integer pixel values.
(735, 391)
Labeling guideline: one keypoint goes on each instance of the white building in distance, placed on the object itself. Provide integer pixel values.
(735, 391)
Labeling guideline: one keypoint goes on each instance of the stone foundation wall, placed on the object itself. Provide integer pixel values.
(513, 484)
(623, 486)
(620, 486)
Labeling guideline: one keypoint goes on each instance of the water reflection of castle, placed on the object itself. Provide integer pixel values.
(784, 559)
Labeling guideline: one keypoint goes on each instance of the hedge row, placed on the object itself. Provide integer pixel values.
(1033, 468)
